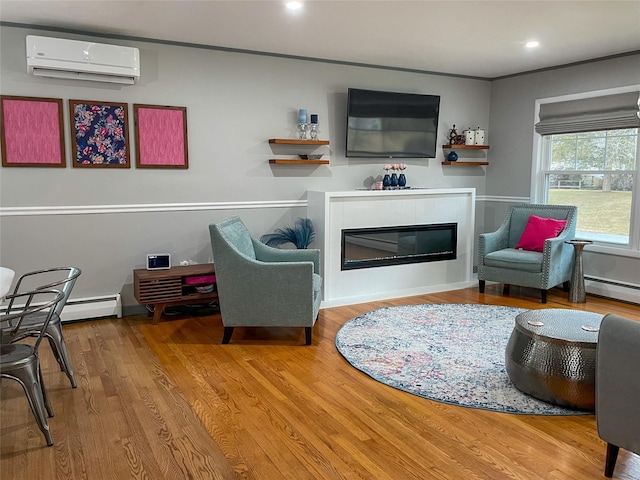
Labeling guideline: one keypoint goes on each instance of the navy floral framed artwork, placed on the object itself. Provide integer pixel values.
(100, 134)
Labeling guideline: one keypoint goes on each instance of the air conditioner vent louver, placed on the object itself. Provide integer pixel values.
(80, 60)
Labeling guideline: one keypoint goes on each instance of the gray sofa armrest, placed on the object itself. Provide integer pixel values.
(265, 253)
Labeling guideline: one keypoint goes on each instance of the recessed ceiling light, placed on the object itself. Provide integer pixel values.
(532, 44)
(294, 5)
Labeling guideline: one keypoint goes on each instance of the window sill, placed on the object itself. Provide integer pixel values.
(619, 251)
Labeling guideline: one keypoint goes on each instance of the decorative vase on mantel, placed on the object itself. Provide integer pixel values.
(402, 181)
(386, 181)
(394, 180)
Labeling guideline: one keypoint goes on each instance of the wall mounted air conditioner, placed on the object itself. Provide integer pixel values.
(80, 60)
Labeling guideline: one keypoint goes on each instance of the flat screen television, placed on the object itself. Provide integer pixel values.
(391, 125)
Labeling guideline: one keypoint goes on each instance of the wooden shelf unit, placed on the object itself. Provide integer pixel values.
(466, 147)
(464, 164)
(162, 288)
(297, 141)
(297, 161)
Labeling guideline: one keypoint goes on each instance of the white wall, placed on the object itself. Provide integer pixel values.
(235, 102)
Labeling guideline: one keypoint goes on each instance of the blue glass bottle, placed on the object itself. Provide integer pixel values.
(394, 180)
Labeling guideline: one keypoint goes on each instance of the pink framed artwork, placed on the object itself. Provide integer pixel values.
(161, 136)
(31, 132)
(100, 134)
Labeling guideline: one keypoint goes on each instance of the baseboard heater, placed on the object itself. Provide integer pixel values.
(627, 292)
(92, 307)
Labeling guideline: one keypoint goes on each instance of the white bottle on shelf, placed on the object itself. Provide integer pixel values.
(479, 136)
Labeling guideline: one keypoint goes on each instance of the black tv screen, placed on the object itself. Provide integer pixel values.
(391, 125)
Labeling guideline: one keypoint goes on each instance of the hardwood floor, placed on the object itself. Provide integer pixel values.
(169, 401)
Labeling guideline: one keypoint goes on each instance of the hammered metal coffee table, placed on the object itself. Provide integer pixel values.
(551, 355)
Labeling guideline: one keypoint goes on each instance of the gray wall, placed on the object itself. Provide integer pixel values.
(235, 102)
(512, 125)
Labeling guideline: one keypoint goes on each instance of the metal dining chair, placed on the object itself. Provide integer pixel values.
(20, 362)
(59, 278)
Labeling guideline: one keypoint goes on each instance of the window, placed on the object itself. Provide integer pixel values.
(597, 172)
(588, 156)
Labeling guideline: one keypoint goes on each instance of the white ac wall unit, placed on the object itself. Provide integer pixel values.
(80, 60)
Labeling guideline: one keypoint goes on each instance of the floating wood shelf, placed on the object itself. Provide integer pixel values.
(296, 161)
(465, 164)
(466, 147)
(297, 141)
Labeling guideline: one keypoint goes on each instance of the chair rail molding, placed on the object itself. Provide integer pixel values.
(145, 208)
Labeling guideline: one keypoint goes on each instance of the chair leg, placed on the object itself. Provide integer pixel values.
(506, 289)
(543, 296)
(54, 334)
(612, 456)
(28, 377)
(481, 285)
(45, 397)
(226, 337)
(307, 334)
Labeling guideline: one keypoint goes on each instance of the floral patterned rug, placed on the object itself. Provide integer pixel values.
(451, 353)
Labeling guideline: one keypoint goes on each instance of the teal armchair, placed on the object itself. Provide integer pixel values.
(261, 286)
(499, 261)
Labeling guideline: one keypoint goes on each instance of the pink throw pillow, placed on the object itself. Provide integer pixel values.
(537, 230)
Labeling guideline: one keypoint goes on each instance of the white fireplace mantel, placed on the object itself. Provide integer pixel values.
(331, 212)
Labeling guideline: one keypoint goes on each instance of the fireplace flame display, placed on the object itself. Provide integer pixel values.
(383, 246)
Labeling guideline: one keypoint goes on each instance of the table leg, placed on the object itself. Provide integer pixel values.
(158, 308)
(577, 292)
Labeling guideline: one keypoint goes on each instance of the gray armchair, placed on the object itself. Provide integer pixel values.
(261, 286)
(499, 261)
(618, 387)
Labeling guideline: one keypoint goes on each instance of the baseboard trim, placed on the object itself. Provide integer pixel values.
(91, 308)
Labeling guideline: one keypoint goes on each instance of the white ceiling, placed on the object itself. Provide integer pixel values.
(476, 38)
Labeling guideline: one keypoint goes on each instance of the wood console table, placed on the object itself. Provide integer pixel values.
(162, 288)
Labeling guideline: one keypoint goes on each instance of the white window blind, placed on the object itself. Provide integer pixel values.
(608, 112)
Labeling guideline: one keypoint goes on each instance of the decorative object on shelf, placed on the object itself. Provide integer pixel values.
(302, 116)
(386, 181)
(453, 156)
(391, 181)
(314, 119)
(402, 180)
(453, 135)
(313, 129)
(301, 235)
(302, 131)
(469, 137)
(479, 136)
(315, 156)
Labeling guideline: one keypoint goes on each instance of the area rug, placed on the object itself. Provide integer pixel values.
(451, 353)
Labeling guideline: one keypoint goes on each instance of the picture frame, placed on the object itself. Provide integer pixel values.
(160, 136)
(32, 132)
(99, 134)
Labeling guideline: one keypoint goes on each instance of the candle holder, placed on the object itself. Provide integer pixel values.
(302, 131)
(313, 131)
